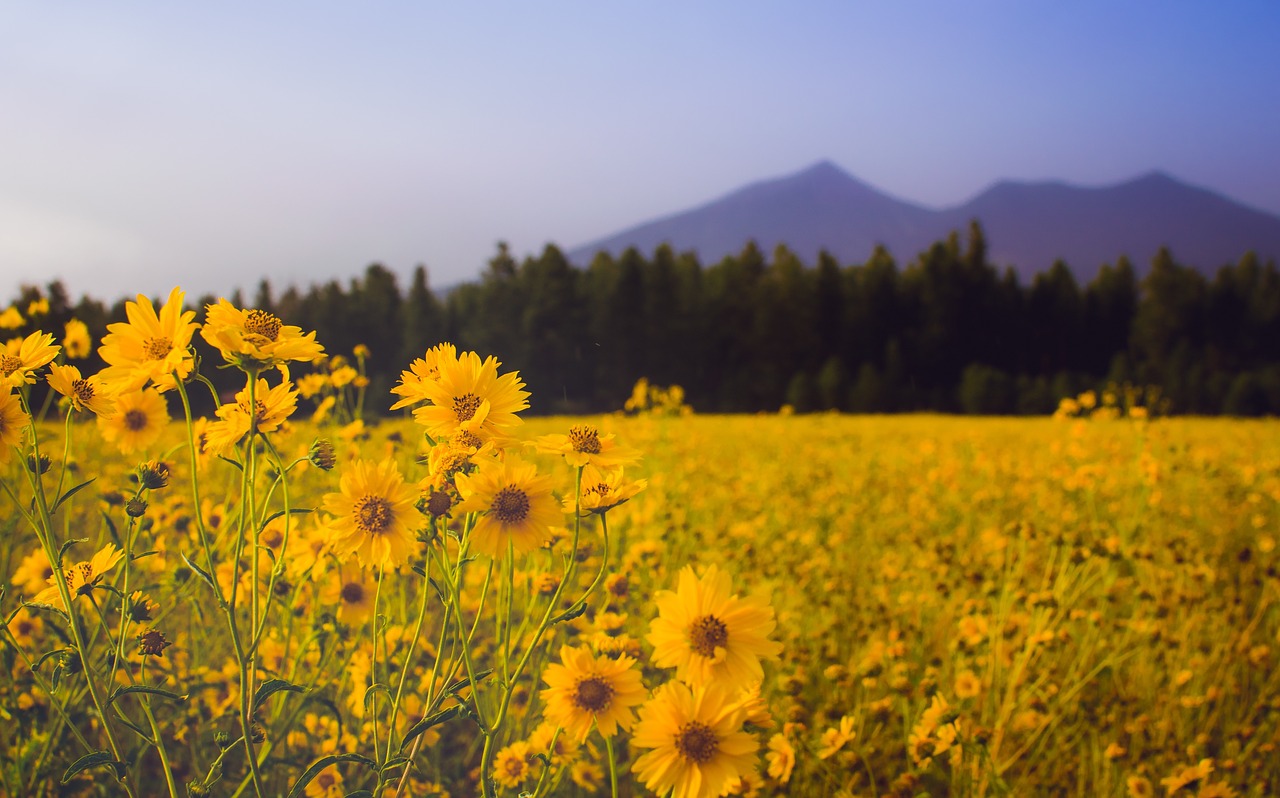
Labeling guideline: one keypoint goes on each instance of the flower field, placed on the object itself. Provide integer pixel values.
(278, 601)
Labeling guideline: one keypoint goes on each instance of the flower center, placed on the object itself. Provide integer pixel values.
(82, 391)
(594, 694)
(373, 514)
(585, 439)
(465, 406)
(9, 364)
(352, 593)
(135, 420)
(156, 348)
(706, 634)
(260, 322)
(439, 503)
(515, 768)
(510, 505)
(468, 439)
(696, 742)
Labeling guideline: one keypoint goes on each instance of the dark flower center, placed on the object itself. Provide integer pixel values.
(706, 634)
(260, 322)
(510, 505)
(135, 420)
(372, 514)
(585, 439)
(352, 593)
(157, 348)
(9, 364)
(465, 406)
(697, 742)
(594, 693)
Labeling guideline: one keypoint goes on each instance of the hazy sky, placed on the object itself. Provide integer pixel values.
(144, 145)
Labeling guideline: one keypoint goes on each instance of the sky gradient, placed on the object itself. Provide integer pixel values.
(146, 145)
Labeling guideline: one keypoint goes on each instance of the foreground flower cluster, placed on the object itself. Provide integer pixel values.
(226, 606)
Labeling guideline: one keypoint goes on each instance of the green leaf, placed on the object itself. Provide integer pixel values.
(360, 794)
(48, 654)
(111, 527)
(142, 688)
(70, 492)
(93, 760)
(203, 573)
(421, 726)
(226, 459)
(278, 513)
(573, 612)
(320, 764)
(271, 687)
(461, 683)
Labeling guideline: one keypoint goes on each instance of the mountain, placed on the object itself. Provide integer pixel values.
(1028, 225)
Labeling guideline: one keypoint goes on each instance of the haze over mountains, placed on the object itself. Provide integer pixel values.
(1028, 225)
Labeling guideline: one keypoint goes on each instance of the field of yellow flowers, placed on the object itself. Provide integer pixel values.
(285, 600)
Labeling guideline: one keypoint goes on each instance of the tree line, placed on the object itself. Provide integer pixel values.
(948, 332)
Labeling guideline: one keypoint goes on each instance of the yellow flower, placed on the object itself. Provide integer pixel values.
(1189, 776)
(326, 784)
(372, 514)
(22, 356)
(11, 319)
(471, 401)
(511, 764)
(76, 342)
(343, 376)
(708, 634)
(421, 371)
(25, 627)
(968, 684)
(781, 758)
(85, 393)
(835, 739)
(585, 445)
(81, 578)
(312, 384)
(149, 346)
(516, 502)
(13, 420)
(698, 746)
(33, 573)
(256, 338)
(1139, 787)
(271, 406)
(349, 593)
(585, 689)
(38, 307)
(140, 417)
(604, 490)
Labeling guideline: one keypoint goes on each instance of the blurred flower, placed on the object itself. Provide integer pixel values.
(140, 417)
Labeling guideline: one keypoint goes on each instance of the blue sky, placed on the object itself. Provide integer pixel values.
(152, 144)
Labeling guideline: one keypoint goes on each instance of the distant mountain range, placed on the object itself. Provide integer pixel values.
(1027, 225)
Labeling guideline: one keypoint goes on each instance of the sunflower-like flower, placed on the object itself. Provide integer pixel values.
(511, 764)
(422, 371)
(149, 347)
(602, 490)
(256, 339)
(81, 578)
(20, 358)
(270, 408)
(516, 503)
(584, 689)
(85, 393)
(372, 514)
(707, 633)
(584, 445)
(11, 319)
(470, 401)
(13, 420)
(33, 573)
(349, 592)
(140, 417)
(76, 343)
(699, 749)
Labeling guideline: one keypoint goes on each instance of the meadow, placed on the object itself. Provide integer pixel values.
(647, 602)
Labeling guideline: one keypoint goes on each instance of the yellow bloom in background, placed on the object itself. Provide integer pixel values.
(150, 346)
(834, 739)
(312, 384)
(11, 319)
(257, 336)
(781, 758)
(348, 593)
(517, 504)
(82, 577)
(13, 420)
(271, 406)
(602, 490)
(584, 689)
(585, 445)
(511, 764)
(1189, 776)
(470, 399)
(33, 573)
(84, 393)
(709, 634)
(343, 376)
(26, 627)
(38, 307)
(76, 343)
(698, 747)
(22, 356)
(140, 418)
(372, 514)
(421, 371)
